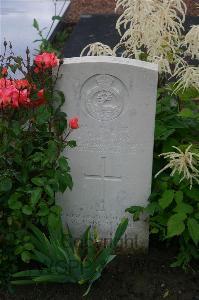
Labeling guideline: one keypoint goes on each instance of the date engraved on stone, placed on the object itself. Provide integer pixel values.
(103, 97)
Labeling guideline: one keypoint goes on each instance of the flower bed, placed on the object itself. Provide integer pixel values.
(128, 277)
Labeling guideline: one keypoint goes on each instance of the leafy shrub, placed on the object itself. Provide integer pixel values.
(173, 207)
(33, 133)
(67, 260)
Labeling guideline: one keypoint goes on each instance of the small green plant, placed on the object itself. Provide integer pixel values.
(173, 211)
(174, 203)
(66, 260)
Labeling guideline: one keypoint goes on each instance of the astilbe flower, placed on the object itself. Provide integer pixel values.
(187, 76)
(153, 25)
(154, 28)
(185, 163)
(97, 49)
(192, 42)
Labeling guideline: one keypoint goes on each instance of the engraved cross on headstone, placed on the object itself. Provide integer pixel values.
(103, 178)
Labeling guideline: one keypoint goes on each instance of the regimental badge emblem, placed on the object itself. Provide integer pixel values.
(103, 97)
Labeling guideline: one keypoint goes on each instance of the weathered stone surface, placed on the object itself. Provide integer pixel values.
(114, 99)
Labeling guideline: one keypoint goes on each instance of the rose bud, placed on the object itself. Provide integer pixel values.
(73, 123)
(4, 71)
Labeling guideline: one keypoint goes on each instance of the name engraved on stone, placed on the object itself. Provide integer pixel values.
(107, 139)
(100, 204)
(102, 97)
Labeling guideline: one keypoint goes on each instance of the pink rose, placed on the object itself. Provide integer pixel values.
(45, 60)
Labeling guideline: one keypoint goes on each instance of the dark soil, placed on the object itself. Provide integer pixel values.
(127, 277)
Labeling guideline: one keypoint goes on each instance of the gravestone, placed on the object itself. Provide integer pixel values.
(115, 101)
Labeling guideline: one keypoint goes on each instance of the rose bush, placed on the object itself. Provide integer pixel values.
(33, 132)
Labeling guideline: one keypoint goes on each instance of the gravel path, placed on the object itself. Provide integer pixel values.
(79, 7)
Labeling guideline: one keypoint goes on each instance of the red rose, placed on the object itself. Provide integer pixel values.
(21, 84)
(73, 123)
(12, 97)
(45, 60)
(5, 83)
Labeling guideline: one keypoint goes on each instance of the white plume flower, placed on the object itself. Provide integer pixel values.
(185, 163)
(163, 64)
(152, 30)
(97, 49)
(192, 42)
(153, 25)
(187, 76)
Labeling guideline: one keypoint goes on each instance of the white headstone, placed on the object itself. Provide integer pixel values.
(115, 101)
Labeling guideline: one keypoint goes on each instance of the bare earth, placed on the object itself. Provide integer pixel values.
(79, 7)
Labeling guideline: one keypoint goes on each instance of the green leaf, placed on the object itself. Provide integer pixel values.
(49, 191)
(154, 230)
(186, 113)
(193, 227)
(151, 208)
(5, 184)
(59, 278)
(27, 210)
(178, 197)
(193, 193)
(56, 209)
(196, 215)
(35, 196)
(183, 208)
(65, 180)
(188, 94)
(16, 128)
(13, 202)
(57, 18)
(166, 199)
(29, 273)
(43, 115)
(35, 24)
(38, 181)
(25, 256)
(51, 152)
(63, 164)
(72, 144)
(175, 225)
(28, 246)
(135, 211)
(119, 232)
(44, 210)
(53, 220)
(161, 132)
